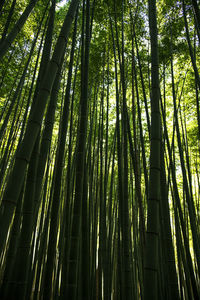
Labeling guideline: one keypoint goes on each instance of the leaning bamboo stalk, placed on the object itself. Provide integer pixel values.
(23, 156)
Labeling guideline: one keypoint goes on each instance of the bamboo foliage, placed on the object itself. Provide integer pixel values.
(99, 151)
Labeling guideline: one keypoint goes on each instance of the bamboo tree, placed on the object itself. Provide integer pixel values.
(20, 84)
(120, 167)
(69, 192)
(49, 118)
(8, 21)
(142, 81)
(125, 205)
(80, 157)
(58, 176)
(6, 43)
(189, 197)
(151, 246)
(177, 197)
(134, 79)
(197, 12)
(23, 155)
(168, 245)
(190, 46)
(12, 251)
(135, 155)
(74, 214)
(23, 252)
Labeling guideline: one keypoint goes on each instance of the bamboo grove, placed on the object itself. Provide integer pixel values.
(99, 149)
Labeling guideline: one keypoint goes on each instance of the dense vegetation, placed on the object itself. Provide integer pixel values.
(99, 149)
